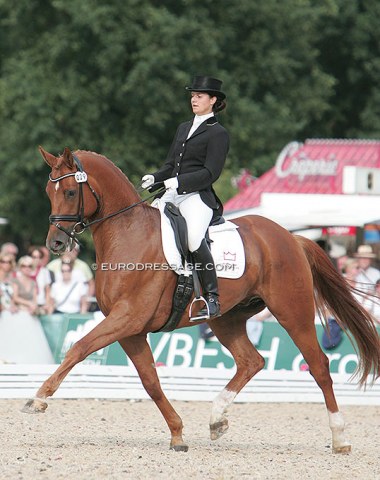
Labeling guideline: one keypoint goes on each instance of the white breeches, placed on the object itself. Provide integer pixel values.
(196, 213)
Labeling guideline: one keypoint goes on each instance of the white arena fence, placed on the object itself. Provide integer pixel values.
(179, 383)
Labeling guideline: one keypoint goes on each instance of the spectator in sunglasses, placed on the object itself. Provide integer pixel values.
(24, 286)
(68, 294)
(81, 271)
(7, 274)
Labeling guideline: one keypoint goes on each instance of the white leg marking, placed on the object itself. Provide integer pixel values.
(220, 405)
(336, 422)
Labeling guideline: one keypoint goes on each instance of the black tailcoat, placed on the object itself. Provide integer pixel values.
(197, 161)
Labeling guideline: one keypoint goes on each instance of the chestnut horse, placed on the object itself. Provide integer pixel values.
(289, 274)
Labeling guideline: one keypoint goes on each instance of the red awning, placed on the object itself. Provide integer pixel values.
(313, 167)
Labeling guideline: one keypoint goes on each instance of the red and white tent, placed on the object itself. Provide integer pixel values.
(316, 183)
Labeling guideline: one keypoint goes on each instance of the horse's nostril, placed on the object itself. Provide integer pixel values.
(57, 246)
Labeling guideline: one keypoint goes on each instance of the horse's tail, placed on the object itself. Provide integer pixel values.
(333, 292)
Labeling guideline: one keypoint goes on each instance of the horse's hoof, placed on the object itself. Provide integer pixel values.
(35, 405)
(345, 449)
(179, 448)
(218, 429)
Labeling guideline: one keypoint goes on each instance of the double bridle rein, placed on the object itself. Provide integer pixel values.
(81, 224)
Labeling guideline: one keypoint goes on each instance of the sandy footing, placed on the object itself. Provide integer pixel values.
(104, 439)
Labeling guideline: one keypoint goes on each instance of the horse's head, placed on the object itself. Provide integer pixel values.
(72, 199)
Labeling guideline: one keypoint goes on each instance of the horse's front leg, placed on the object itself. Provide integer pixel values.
(139, 352)
(110, 330)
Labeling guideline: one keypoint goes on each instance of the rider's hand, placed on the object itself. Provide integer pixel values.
(171, 183)
(147, 181)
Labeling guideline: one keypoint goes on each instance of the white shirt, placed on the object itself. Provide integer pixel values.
(366, 279)
(43, 278)
(198, 119)
(60, 291)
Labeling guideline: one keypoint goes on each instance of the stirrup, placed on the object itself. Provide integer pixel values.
(198, 318)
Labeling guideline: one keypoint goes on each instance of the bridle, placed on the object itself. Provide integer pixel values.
(81, 224)
(79, 219)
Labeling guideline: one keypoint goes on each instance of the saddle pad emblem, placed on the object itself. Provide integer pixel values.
(229, 256)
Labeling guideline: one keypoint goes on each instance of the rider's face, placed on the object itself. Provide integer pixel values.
(202, 103)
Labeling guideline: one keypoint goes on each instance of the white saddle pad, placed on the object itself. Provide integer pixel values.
(226, 247)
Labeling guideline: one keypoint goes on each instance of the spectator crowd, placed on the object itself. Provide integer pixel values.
(361, 273)
(39, 286)
(30, 286)
(35, 284)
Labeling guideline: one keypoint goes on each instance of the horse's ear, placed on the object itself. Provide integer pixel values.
(50, 159)
(67, 157)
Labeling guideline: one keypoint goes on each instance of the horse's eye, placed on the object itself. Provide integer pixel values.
(70, 193)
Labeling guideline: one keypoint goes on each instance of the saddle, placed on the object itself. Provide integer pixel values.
(226, 246)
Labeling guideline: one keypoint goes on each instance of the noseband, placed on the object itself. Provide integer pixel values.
(79, 219)
(80, 222)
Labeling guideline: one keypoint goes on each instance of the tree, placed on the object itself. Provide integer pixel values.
(109, 76)
(349, 52)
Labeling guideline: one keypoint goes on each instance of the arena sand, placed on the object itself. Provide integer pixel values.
(105, 439)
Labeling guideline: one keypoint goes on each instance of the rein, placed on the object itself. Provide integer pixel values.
(80, 222)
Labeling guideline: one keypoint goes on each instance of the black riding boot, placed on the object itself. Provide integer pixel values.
(206, 269)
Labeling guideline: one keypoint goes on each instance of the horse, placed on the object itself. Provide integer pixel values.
(289, 274)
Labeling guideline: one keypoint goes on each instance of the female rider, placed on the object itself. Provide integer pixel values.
(195, 161)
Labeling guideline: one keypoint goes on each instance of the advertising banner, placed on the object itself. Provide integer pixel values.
(186, 348)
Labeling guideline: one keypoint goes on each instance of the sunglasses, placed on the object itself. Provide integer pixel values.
(26, 266)
(5, 261)
(66, 270)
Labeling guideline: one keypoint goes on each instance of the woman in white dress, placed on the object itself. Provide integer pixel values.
(7, 273)
(22, 338)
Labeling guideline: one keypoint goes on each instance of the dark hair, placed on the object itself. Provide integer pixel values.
(219, 105)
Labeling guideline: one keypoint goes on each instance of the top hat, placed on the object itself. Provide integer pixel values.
(207, 84)
(365, 251)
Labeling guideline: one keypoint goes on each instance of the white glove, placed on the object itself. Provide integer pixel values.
(147, 181)
(171, 183)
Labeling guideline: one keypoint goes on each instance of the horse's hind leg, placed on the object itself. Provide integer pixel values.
(139, 352)
(304, 336)
(231, 332)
